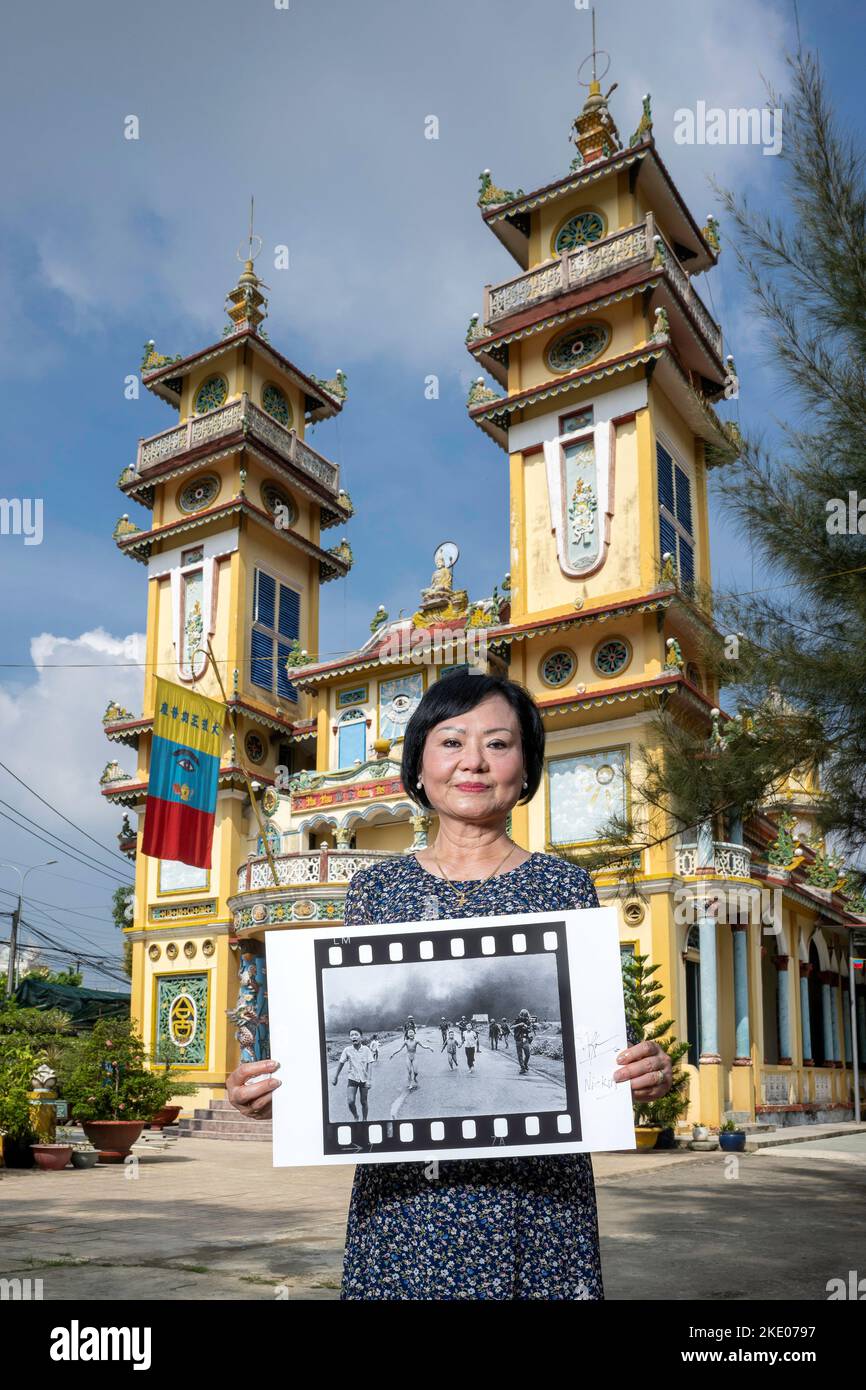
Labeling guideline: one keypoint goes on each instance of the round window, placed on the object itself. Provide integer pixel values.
(558, 667)
(276, 403)
(579, 230)
(279, 504)
(255, 748)
(611, 656)
(198, 493)
(577, 347)
(211, 394)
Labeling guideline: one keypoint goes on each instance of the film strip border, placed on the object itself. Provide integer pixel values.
(441, 943)
(452, 1132)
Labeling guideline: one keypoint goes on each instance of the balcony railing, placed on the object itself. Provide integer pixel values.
(581, 266)
(308, 867)
(225, 420)
(729, 861)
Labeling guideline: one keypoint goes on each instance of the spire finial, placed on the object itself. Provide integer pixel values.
(246, 306)
(594, 131)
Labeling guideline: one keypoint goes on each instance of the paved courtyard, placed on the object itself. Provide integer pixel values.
(206, 1219)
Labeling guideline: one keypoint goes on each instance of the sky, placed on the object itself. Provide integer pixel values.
(319, 110)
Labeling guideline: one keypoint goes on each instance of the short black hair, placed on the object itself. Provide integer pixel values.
(455, 694)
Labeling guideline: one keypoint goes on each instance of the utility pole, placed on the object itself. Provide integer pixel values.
(16, 918)
(13, 944)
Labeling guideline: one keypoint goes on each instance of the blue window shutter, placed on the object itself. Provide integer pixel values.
(667, 537)
(265, 599)
(262, 660)
(684, 499)
(284, 685)
(665, 465)
(351, 743)
(290, 612)
(687, 562)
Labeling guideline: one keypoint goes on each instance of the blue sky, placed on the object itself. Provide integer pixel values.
(319, 111)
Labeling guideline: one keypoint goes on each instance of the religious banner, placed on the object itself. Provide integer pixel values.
(184, 767)
(480, 1037)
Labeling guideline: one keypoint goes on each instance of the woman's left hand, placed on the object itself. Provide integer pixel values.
(649, 1069)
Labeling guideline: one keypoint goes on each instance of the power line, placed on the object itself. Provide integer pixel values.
(61, 907)
(53, 808)
(55, 842)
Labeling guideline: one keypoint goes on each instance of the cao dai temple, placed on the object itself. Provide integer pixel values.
(598, 367)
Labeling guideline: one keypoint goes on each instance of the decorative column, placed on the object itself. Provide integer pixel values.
(805, 972)
(343, 836)
(711, 1074)
(743, 1056)
(783, 1005)
(420, 827)
(846, 1024)
(834, 1019)
(709, 988)
(826, 978)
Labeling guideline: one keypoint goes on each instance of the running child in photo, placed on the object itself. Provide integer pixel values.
(450, 1046)
(411, 1044)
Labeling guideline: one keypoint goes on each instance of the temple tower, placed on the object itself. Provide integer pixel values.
(234, 561)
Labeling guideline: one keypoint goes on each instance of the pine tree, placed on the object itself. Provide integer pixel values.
(642, 996)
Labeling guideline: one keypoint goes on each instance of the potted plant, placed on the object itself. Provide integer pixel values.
(654, 1119)
(112, 1090)
(731, 1138)
(19, 1058)
(170, 1054)
(84, 1156)
(51, 1157)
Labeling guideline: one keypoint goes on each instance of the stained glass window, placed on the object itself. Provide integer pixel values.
(211, 394)
(276, 403)
(577, 347)
(612, 656)
(579, 230)
(558, 667)
(198, 493)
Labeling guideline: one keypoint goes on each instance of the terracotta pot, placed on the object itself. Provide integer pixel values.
(113, 1138)
(166, 1116)
(51, 1157)
(646, 1136)
(84, 1158)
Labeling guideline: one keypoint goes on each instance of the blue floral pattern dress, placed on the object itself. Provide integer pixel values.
(501, 1228)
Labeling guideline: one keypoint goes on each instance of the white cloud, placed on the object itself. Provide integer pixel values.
(51, 736)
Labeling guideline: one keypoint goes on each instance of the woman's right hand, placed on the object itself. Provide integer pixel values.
(253, 1100)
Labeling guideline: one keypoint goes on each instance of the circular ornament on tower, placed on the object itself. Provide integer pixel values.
(211, 394)
(577, 347)
(276, 403)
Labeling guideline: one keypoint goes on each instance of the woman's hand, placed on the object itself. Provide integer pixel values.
(253, 1100)
(649, 1069)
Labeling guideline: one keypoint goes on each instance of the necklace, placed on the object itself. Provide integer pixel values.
(462, 897)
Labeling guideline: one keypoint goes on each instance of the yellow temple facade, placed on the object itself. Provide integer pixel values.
(607, 367)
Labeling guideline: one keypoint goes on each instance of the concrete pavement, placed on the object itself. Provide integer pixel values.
(206, 1220)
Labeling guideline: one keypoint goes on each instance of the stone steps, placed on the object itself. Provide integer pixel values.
(220, 1120)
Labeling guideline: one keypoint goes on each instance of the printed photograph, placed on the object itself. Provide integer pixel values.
(426, 1040)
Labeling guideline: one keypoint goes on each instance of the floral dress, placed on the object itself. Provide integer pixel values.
(500, 1228)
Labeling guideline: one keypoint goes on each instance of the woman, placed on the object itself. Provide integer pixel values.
(503, 1228)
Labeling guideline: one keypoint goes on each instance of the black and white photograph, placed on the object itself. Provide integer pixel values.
(465, 1037)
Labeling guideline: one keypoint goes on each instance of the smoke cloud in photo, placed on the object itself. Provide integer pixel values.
(379, 997)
